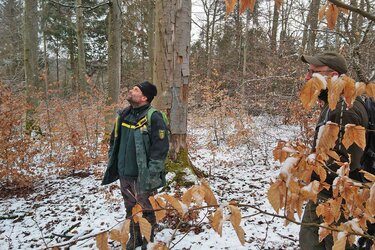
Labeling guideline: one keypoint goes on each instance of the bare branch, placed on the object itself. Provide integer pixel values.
(354, 9)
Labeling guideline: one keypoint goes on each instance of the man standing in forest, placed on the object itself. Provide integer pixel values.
(138, 148)
(331, 64)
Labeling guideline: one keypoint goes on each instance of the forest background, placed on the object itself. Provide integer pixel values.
(66, 66)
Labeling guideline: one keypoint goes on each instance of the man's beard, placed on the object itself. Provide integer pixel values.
(323, 96)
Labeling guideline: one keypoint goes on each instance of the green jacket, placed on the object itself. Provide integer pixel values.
(151, 147)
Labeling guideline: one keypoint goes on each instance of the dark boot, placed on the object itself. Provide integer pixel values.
(135, 237)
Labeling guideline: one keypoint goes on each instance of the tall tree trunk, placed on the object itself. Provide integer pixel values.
(313, 26)
(171, 66)
(114, 58)
(82, 85)
(30, 39)
(275, 25)
(150, 36)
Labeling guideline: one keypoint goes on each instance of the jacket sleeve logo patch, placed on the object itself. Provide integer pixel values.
(161, 134)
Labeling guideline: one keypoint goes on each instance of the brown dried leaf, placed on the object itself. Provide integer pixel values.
(339, 244)
(370, 89)
(354, 134)
(235, 219)
(311, 191)
(160, 246)
(188, 195)
(217, 221)
(360, 88)
(310, 92)
(121, 235)
(322, 12)
(331, 14)
(368, 175)
(158, 204)
(319, 170)
(278, 153)
(349, 91)
(327, 137)
(136, 212)
(323, 232)
(335, 90)
(275, 195)
(230, 6)
(209, 197)
(279, 3)
(174, 202)
(370, 204)
(102, 241)
(244, 4)
(145, 227)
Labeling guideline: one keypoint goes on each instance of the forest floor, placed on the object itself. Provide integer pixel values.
(73, 209)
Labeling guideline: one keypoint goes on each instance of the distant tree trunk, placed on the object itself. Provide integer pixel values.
(275, 25)
(244, 66)
(30, 39)
(114, 59)
(82, 85)
(313, 26)
(150, 18)
(171, 66)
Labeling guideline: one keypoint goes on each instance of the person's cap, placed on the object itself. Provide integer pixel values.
(148, 89)
(329, 58)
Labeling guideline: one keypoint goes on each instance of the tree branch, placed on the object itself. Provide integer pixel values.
(354, 9)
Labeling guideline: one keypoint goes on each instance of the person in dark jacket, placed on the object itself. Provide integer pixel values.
(331, 64)
(138, 149)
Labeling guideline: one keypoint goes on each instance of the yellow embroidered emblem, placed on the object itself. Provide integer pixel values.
(161, 134)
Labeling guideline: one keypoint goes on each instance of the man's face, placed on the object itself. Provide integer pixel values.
(323, 70)
(135, 97)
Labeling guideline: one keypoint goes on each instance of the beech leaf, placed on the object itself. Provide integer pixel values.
(102, 241)
(310, 92)
(230, 6)
(327, 137)
(275, 195)
(156, 205)
(209, 197)
(354, 134)
(322, 12)
(279, 3)
(339, 244)
(145, 227)
(349, 91)
(332, 13)
(335, 89)
(235, 219)
(370, 89)
(217, 221)
(174, 203)
(323, 232)
(136, 212)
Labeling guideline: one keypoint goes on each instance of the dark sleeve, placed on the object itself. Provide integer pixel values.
(159, 137)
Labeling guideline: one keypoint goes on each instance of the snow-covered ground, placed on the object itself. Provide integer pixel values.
(72, 208)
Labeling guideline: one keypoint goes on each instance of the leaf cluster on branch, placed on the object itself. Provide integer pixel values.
(351, 199)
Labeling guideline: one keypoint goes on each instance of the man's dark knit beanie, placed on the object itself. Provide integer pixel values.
(148, 89)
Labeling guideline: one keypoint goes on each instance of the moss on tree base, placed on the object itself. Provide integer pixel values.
(185, 172)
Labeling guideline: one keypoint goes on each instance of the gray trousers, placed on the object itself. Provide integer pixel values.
(309, 235)
(132, 196)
